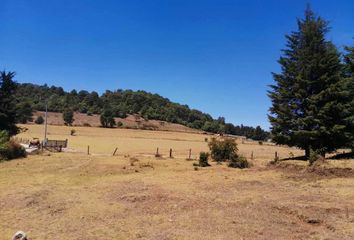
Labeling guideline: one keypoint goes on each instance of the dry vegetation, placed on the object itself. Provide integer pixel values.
(135, 196)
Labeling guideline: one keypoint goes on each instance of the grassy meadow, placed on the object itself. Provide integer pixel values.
(133, 195)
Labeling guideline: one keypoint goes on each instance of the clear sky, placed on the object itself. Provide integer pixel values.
(216, 56)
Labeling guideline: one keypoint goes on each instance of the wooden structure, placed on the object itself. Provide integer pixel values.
(56, 144)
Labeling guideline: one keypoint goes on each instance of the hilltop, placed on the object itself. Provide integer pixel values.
(125, 103)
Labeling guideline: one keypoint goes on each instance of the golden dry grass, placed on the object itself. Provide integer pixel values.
(76, 196)
(145, 142)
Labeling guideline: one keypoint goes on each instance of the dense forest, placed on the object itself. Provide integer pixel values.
(124, 102)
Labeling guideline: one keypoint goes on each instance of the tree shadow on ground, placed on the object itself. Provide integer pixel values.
(339, 156)
(300, 158)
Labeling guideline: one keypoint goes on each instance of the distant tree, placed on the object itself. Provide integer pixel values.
(8, 117)
(39, 120)
(124, 102)
(24, 112)
(107, 119)
(312, 104)
(68, 117)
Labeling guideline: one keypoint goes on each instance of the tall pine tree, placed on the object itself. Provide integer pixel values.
(312, 103)
(7, 103)
(349, 74)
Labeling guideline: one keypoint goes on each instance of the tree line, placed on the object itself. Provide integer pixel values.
(120, 103)
(313, 95)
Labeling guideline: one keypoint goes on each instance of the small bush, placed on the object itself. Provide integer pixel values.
(260, 142)
(68, 117)
(39, 120)
(87, 125)
(206, 139)
(314, 156)
(238, 162)
(4, 137)
(120, 124)
(11, 150)
(203, 159)
(223, 150)
(72, 132)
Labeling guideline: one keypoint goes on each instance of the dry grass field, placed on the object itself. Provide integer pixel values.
(133, 195)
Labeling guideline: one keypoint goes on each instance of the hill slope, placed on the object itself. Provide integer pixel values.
(131, 122)
(125, 102)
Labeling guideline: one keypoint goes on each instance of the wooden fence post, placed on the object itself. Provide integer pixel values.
(252, 155)
(115, 151)
(88, 149)
(276, 155)
(170, 152)
(157, 153)
(190, 153)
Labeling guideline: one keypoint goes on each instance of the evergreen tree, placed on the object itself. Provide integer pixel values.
(7, 103)
(312, 104)
(24, 112)
(68, 116)
(349, 62)
(107, 119)
(349, 73)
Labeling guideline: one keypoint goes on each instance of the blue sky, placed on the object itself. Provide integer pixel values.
(216, 56)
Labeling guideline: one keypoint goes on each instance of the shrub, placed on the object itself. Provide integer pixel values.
(39, 120)
(4, 137)
(68, 117)
(203, 159)
(238, 162)
(107, 119)
(120, 124)
(72, 132)
(314, 156)
(87, 125)
(11, 150)
(222, 150)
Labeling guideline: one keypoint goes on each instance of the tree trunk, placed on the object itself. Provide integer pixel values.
(307, 152)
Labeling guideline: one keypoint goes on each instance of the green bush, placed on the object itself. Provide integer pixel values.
(314, 156)
(39, 120)
(4, 137)
(238, 162)
(68, 117)
(203, 159)
(11, 150)
(222, 150)
(107, 119)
